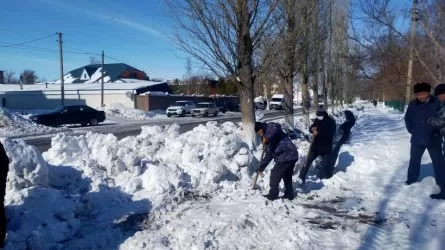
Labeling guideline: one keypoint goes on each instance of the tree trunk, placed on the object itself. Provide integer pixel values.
(304, 64)
(315, 88)
(290, 64)
(244, 67)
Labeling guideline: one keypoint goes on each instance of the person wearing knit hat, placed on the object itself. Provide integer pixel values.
(279, 147)
(438, 122)
(423, 135)
(323, 130)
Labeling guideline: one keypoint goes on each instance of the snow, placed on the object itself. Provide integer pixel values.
(13, 124)
(121, 111)
(166, 190)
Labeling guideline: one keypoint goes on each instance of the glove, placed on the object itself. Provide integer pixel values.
(265, 141)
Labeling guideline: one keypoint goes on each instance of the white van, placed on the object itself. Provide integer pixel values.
(277, 101)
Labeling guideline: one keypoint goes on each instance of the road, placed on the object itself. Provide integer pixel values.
(124, 130)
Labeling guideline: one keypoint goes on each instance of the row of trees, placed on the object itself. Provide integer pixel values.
(338, 48)
(28, 77)
(253, 42)
(383, 50)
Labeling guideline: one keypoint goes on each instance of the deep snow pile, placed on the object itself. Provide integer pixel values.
(364, 206)
(109, 186)
(121, 111)
(13, 124)
(165, 190)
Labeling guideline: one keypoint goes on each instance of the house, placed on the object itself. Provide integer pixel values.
(113, 72)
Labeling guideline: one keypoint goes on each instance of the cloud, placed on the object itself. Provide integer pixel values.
(111, 18)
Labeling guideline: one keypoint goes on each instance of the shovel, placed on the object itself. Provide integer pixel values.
(258, 173)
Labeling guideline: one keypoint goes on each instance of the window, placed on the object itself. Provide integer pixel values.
(84, 75)
(133, 75)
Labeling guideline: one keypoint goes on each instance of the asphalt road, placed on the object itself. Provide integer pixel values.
(125, 130)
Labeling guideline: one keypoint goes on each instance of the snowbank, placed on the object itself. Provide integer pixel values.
(121, 111)
(13, 124)
(166, 190)
(110, 186)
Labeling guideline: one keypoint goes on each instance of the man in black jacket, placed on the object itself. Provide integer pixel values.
(4, 168)
(345, 129)
(323, 130)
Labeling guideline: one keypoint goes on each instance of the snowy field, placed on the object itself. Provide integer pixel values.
(165, 190)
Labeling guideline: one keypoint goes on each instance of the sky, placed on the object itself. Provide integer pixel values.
(134, 32)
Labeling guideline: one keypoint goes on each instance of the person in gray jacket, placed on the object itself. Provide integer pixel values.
(438, 122)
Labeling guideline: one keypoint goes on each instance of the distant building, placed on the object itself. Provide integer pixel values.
(2, 78)
(113, 72)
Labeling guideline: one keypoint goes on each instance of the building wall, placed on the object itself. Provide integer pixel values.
(28, 100)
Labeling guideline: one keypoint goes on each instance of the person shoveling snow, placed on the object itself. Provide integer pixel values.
(285, 155)
(323, 130)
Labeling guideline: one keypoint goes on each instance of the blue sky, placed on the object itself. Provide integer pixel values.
(135, 32)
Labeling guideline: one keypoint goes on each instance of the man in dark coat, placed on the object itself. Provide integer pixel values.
(345, 128)
(423, 136)
(323, 130)
(279, 147)
(438, 122)
(4, 168)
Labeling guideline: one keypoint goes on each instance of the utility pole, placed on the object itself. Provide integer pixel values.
(414, 20)
(102, 81)
(62, 82)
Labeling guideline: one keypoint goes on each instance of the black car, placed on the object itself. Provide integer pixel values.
(233, 107)
(76, 114)
(222, 106)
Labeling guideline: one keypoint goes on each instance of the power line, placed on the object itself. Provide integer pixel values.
(23, 43)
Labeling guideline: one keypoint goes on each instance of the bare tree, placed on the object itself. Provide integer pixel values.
(29, 76)
(95, 60)
(223, 35)
(9, 76)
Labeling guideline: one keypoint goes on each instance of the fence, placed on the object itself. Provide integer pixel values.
(397, 105)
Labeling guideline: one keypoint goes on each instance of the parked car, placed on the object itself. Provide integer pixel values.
(260, 105)
(180, 108)
(222, 107)
(277, 101)
(75, 114)
(232, 107)
(205, 109)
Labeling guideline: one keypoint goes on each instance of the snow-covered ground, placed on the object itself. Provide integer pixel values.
(120, 111)
(165, 190)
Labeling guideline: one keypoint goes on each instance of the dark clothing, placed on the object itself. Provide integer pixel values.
(4, 168)
(326, 130)
(281, 171)
(327, 169)
(437, 159)
(438, 121)
(416, 120)
(280, 146)
(346, 129)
